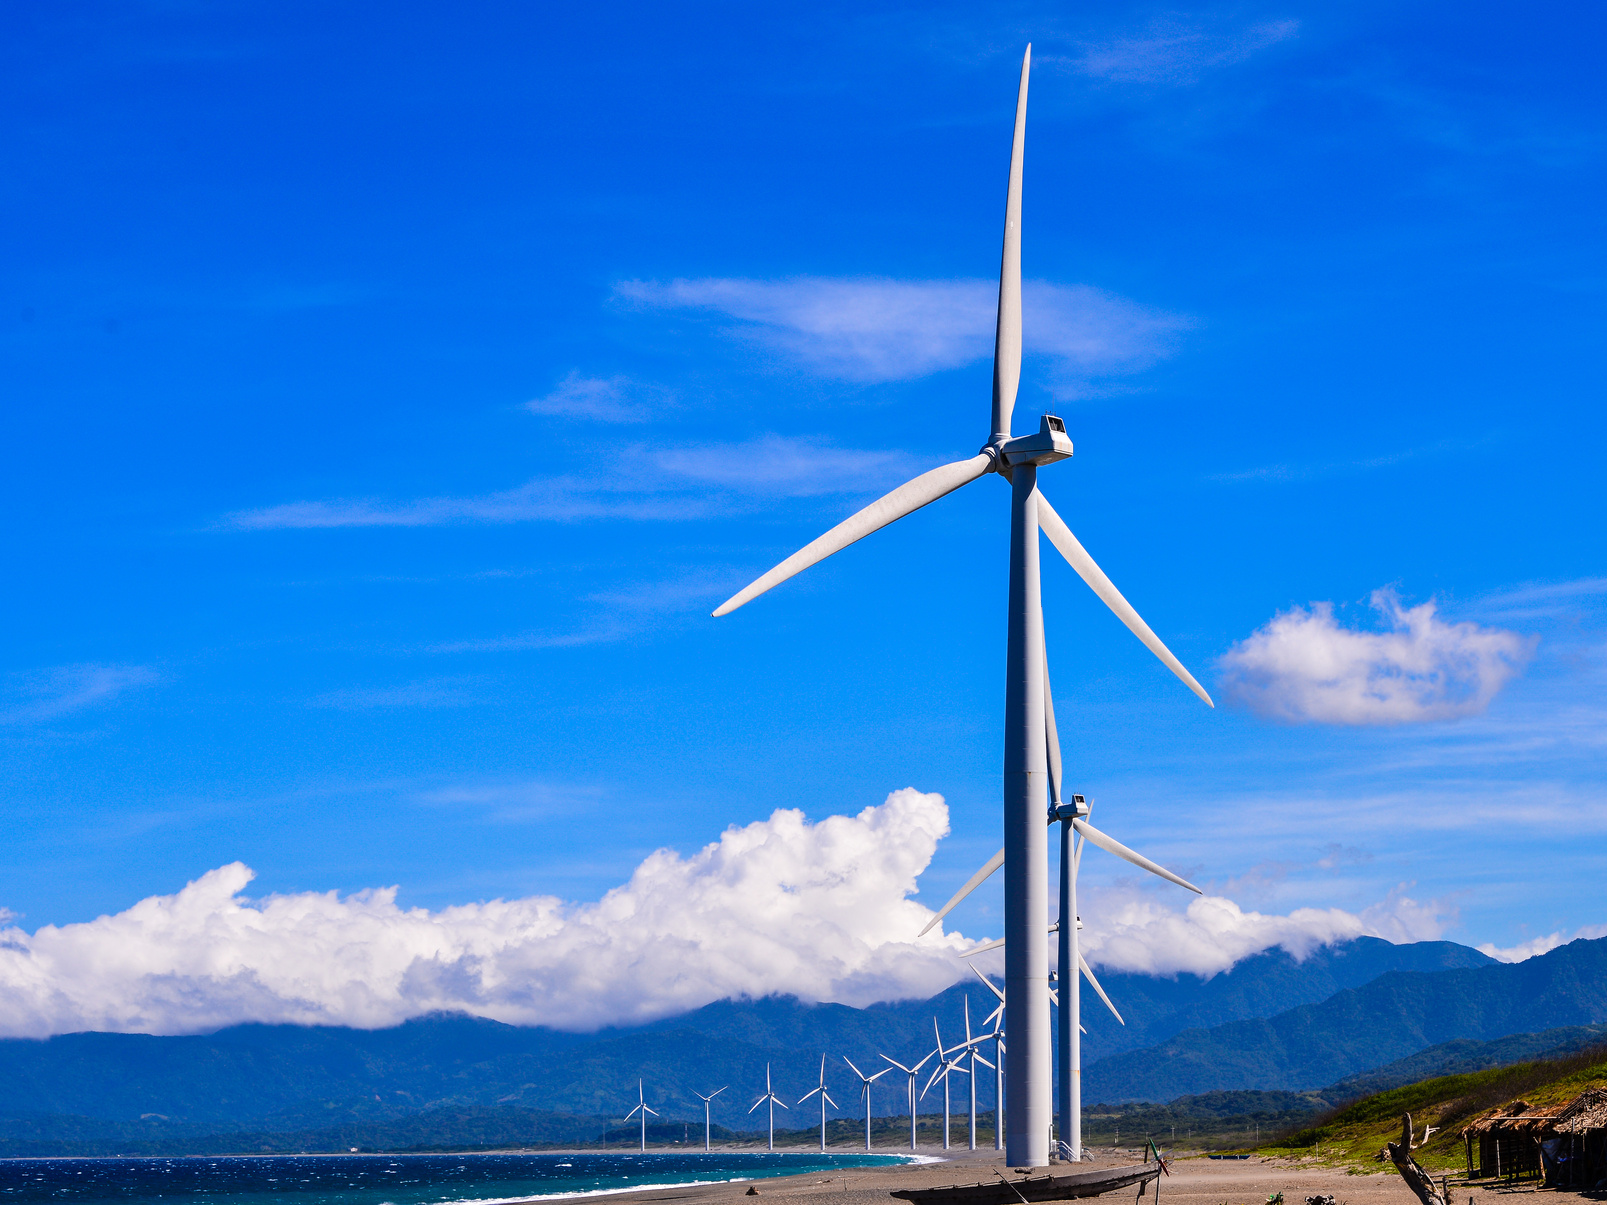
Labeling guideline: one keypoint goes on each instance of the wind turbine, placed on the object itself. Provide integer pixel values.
(1026, 795)
(769, 1095)
(825, 1099)
(865, 1081)
(641, 1107)
(912, 1072)
(969, 1046)
(945, 1067)
(706, 1100)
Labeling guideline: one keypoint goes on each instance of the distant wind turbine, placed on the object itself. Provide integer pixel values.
(641, 1108)
(912, 1072)
(825, 1099)
(945, 1067)
(769, 1095)
(1026, 795)
(706, 1100)
(865, 1081)
(969, 1049)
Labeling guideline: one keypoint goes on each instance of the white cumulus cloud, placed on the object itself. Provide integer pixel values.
(875, 329)
(1303, 667)
(1132, 930)
(1540, 945)
(819, 910)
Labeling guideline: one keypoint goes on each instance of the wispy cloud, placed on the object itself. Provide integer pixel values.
(1303, 667)
(688, 481)
(516, 802)
(617, 614)
(1174, 51)
(49, 694)
(873, 329)
(439, 692)
(604, 400)
(1282, 473)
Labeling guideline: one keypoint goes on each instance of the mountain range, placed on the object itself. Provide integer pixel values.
(1272, 1023)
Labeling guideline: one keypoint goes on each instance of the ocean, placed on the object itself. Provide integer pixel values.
(389, 1179)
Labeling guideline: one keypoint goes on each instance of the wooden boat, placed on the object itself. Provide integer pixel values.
(1035, 1188)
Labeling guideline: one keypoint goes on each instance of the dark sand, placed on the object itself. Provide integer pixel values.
(1194, 1181)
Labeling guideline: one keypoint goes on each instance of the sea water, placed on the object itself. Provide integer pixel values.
(389, 1179)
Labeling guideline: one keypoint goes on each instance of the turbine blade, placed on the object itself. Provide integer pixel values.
(1112, 846)
(1054, 997)
(971, 884)
(830, 1101)
(990, 984)
(983, 949)
(878, 1075)
(996, 1012)
(1051, 733)
(1088, 974)
(857, 1071)
(807, 1095)
(899, 1065)
(910, 496)
(1077, 557)
(1007, 337)
(756, 1104)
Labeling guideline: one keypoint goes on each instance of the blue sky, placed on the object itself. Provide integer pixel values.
(392, 391)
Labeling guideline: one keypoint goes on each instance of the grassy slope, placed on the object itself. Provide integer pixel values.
(1356, 1132)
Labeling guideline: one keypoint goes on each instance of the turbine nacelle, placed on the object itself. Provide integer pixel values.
(1077, 809)
(1050, 444)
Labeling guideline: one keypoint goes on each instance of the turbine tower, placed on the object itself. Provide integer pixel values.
(1026, 793)
(825, 1099)
(641, 1107)
(865, 1081)
(912, 1072)
(769, 1095)
(706, 1100)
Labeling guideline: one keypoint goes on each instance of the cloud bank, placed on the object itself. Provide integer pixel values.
(782, 905)
(820, 910)
(873, 329)
(1303, 667)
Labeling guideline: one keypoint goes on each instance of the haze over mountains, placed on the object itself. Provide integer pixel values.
(1270, 1023)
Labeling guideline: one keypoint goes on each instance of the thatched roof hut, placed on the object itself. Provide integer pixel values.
(1566, 1143)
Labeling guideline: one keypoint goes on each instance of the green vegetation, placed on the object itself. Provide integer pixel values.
(1356, 1132)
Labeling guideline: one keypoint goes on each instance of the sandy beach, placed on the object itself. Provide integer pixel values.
(1194, 1181)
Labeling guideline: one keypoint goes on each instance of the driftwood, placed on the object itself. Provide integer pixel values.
(1417, 1179)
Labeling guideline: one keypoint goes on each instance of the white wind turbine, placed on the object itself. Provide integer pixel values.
(945, 1068)
(825, 1099)
(865, 1081)
(769, 1095)
(641, 1108)
(1026, 792)
(706, 1100)
(1073, 818)
(968, 1049)
(912, 1072)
